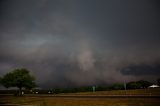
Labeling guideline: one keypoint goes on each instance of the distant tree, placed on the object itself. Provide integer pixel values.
(102, 88)
(117, 86)
(158, 81)
(133, 85)
(138, 84)
(144, 84)
(19, 78)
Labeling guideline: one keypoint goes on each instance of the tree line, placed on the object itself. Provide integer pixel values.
(21, 78)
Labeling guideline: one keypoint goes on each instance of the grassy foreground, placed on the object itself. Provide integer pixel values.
(147, 92)
(50, 101)
(73, 101)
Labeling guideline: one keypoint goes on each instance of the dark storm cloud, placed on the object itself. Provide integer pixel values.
(80, 42)
(143, 69)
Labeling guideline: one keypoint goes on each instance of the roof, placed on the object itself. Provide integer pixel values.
(154, 86)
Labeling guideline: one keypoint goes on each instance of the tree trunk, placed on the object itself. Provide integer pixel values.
(20, 91)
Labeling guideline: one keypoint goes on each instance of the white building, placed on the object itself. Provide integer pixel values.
(154, 86)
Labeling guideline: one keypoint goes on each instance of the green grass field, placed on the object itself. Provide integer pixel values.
(50, 100)
(151, 91)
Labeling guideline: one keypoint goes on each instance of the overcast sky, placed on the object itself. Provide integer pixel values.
(81, 42)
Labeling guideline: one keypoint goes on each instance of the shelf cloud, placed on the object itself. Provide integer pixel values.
(81, 42)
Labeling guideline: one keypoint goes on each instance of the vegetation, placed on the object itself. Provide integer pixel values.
(45, 100)
(144, 84)
(138, 84)
(147, 92)
(117, 86)
(141, 84)
(55, 101)
(19, 78)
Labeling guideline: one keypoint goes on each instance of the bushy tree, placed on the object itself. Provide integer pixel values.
(138, 84)
(133, 85)
(19, 78)
(144, 84)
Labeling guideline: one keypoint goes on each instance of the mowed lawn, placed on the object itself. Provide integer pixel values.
(61, 101)
(149, 92)
(40, 100)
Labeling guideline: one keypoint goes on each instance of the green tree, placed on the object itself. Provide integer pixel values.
(19, 78)
(138, 84)
(144, 84)
(133, 85)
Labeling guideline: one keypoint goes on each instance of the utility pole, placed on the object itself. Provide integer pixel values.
(93, 88)
(125, 87)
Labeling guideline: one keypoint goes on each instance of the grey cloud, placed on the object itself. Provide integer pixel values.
(74, 43)
(138, 70)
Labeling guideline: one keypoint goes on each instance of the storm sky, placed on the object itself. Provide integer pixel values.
(81, 42)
